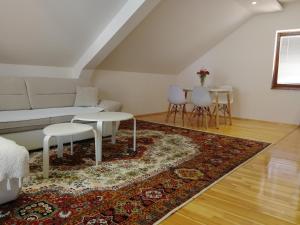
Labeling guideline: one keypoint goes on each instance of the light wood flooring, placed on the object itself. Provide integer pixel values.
(265, 190)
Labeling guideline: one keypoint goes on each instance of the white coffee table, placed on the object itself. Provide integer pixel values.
(61, 130)
(102, 117)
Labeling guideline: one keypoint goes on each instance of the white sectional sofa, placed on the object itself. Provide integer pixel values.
(27, 105)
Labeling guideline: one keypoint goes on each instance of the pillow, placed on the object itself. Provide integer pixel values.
(86, 96)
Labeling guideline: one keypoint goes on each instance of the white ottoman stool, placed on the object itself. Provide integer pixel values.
(14, 165)
(62, 130)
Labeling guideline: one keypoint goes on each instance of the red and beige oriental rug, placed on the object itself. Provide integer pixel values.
(170, 167)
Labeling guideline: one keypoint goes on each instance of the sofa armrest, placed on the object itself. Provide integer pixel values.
(110, 106)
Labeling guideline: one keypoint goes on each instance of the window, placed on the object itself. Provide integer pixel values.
(286, 74)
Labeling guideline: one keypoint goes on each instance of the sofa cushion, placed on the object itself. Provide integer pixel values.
(61, 119)
(21, 115)
(10, 127)
(86, 96)
(13, 94)
(110, 106)
(24, 120)
(51, 92)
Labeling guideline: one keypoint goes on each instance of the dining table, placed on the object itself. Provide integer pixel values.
(216, 92)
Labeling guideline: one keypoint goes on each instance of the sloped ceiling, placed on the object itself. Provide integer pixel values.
(51, 32)
(78, 34)
(178, 32)
(287, 1)
(261, 6)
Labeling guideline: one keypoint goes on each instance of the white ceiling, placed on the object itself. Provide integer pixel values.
(287, 1)
(261, 6)
(178, 32)
(58, 33)
(51, 32)
(175, 34)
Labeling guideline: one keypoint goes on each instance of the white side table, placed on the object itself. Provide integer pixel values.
(61, 130)
(113, 117)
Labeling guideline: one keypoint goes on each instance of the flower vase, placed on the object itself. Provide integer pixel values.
(202, 80)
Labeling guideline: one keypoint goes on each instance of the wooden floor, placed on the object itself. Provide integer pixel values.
(265, 190)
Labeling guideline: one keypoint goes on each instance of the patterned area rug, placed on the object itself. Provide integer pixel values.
(171, 166)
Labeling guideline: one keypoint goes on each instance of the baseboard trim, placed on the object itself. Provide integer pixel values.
(150, 114)
(234, 117)
(264, 121)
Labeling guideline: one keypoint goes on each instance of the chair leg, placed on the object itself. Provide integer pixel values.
(195, 111)
(224, 114)
(183, 112)
(192, 115)
(198, 116)
(205, 118)
(169, 112)
(175, 112)
(202, 117)
(228, 110)
(214, 112)
(210, 115)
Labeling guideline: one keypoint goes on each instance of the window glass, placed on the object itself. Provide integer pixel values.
(289, 60)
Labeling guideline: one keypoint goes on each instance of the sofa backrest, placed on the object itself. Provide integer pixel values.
(51, 92)
(13, 94)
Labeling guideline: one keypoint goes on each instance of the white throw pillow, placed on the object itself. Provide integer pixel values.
(86, 96)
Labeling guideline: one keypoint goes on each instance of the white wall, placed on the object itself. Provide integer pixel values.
(245, 60)
(140, 93)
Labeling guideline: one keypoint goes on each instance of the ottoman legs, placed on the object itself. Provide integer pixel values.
(114, 131)
(99, 142)
(60, 147)
(60, 151)
(97, 147)
(46, 156)
(134, 134)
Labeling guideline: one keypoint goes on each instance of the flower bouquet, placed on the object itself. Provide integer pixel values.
(202, 75)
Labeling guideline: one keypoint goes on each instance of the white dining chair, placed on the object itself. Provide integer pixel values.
(177, 102)
(202, 101)
(223, 102)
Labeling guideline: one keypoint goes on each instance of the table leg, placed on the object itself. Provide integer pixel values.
(71, 141)
(99, 142)
(96, 146)
(134, 134)
(229, 108)
(114, 129)
(46, 156)
(60, 147)
(185, 93)
(217, 111)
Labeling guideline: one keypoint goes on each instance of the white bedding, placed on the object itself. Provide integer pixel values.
(14, 166)
(21, 115)
(14, 160)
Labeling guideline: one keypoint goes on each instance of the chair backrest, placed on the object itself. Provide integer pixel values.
(201, 96)
(223, 97)
(176, 95)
